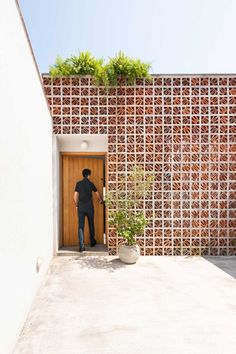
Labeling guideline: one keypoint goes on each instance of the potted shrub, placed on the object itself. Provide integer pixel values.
(125, 215)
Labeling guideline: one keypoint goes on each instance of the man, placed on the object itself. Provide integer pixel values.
(84, 204)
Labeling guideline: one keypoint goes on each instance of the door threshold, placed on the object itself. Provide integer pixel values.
(98, 250)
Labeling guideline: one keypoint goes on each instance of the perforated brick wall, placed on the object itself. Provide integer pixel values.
(182, 128)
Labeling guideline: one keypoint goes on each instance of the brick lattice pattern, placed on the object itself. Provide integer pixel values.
(182, 128)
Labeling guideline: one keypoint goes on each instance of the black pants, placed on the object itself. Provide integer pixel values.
(85, 210)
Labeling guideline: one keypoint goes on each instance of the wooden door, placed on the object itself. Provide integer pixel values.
(72, 167)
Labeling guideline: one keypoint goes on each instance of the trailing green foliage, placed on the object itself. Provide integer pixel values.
(122, 205)
(128, 69)
(118, 69)
(83, 64)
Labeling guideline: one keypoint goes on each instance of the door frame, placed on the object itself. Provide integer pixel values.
(78, 154)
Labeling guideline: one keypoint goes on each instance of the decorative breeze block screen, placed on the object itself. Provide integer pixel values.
(182, 129)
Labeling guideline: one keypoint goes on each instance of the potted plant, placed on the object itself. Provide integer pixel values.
(124, 213)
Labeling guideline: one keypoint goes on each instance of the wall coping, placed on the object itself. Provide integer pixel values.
(157, 75)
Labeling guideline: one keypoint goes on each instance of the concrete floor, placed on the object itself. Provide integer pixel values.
(99, 250)
(161, 305)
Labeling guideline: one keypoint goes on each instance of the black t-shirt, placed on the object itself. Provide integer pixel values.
(85, 188)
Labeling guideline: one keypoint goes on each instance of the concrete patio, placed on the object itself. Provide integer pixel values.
(97, 305)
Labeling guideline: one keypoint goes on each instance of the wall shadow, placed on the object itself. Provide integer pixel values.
(225, 263)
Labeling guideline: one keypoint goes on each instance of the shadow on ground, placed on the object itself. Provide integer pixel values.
(100, 262)
(227, 264)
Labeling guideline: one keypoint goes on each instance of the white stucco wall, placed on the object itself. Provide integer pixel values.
(25, 178)
(56, 194)
(72, 143)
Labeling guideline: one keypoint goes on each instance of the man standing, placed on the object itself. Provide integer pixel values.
(84, 204)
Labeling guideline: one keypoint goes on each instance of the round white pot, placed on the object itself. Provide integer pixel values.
(129, 254)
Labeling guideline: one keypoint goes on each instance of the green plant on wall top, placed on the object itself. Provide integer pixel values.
(123, 204)
(128, 69)
(83, 64)
(121, 67)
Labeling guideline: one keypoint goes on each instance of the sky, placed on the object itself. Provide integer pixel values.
(174, 36)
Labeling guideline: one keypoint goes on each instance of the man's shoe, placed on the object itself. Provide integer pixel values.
(92, 244)
(81, 249)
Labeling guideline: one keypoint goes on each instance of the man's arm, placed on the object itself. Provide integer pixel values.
(99, 197)
(76, 198)
(94, 189)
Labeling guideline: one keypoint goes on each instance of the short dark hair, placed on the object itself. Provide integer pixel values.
(86, 172)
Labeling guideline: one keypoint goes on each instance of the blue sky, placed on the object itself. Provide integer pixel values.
(175, 36)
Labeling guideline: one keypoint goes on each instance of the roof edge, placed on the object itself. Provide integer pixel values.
(166, 75)
(32, 52)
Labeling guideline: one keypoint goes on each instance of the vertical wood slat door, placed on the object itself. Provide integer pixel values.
(72, 167)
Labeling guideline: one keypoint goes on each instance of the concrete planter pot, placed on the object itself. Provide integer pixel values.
(129, 254)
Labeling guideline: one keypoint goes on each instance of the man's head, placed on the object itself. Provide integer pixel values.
(86, 173)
